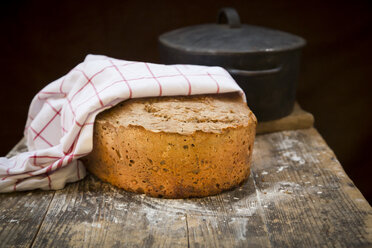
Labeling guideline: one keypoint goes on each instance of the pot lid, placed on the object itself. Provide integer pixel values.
(229, 36)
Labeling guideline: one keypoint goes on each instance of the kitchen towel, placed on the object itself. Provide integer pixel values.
(60, 121)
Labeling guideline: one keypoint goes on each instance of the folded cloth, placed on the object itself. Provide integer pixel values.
(60, 121)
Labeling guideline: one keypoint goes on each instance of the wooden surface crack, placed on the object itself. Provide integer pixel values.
(297, 195)
(42, 221)
(261, 211)
(187, 232)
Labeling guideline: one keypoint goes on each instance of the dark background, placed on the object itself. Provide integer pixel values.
(43, 40)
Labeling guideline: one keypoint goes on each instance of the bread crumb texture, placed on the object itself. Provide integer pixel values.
(174, 147)
(184, 115)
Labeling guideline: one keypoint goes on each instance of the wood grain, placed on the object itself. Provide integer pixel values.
(22, 213)
(95, 214)
(307, 198)
(230, 219)
(298, 195)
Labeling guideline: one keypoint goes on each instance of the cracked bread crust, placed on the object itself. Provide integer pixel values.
(174, 147)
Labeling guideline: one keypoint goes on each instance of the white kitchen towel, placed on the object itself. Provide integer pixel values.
(59, 126)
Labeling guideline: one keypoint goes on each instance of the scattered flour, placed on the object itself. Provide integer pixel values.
(120, 206)
(115, 220)
(96, 225)
(281, 168)
(294, 157)
(288, 143)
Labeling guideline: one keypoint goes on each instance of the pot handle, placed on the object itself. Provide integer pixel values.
(229, 16)
(254, 73)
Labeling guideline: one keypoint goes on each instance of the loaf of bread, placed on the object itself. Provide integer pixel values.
(174, 147)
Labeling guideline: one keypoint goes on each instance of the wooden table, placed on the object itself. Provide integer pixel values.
(298, 195)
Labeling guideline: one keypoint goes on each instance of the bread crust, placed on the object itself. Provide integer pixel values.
(169, 164)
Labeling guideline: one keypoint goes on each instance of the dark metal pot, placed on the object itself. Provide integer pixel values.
(264, 62)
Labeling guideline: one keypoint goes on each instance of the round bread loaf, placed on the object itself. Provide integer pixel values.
(174, 147)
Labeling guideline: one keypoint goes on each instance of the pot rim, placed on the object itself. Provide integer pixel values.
(191, 50)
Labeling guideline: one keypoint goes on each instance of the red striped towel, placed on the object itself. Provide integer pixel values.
(60, 122)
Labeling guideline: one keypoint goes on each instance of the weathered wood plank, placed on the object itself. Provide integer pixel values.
(231, 219)
(224, 231)
(307, 198)
(297, 196)
(298, 119)
(96, 214)
(21, 214)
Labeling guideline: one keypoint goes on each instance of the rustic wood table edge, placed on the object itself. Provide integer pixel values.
(297, 195)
